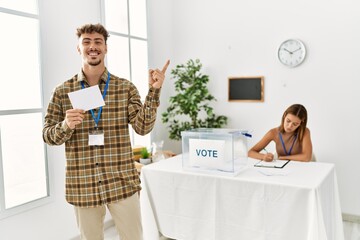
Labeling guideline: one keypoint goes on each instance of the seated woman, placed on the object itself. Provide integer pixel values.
(292, 138)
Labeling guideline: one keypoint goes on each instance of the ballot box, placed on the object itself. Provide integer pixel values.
(216, 150)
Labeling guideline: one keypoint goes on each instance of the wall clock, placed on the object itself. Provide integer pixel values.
(291, 52)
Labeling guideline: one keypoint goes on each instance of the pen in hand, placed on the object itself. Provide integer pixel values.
(268, 156)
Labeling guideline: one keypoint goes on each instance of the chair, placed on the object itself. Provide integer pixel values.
(313, 158)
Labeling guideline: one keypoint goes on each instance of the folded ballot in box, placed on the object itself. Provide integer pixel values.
(215, 150)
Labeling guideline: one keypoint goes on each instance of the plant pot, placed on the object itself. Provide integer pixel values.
(145, 160)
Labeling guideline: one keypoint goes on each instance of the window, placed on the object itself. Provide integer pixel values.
(127, 55)
(23, 168)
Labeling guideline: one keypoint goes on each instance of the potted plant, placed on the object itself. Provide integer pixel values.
(145, 156)
(190, 108)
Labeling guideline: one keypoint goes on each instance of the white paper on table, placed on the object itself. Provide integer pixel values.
(272, 164)
(273, 172)
(87, 98)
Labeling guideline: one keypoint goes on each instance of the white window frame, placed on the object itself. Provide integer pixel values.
(7, 212)
(146, 140)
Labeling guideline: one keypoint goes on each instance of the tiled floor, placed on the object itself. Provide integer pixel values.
(352, 232)
(111, 234)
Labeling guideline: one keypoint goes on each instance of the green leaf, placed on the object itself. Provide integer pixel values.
(192, 98)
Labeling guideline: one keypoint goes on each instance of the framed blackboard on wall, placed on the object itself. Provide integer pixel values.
(246, 89)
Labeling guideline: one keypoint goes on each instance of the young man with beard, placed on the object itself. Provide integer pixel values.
(102, 173)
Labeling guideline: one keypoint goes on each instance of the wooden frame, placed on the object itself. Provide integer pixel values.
(246, 89)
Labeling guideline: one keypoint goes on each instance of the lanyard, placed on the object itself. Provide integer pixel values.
(97, 118)
(283, 144)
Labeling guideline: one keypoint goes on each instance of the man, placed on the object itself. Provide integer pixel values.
(100, 171)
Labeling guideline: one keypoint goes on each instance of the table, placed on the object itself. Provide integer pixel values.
(298, 202)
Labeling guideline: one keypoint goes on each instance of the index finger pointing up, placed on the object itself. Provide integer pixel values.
(165, 66)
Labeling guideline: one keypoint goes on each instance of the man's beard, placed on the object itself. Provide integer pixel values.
(94, 63)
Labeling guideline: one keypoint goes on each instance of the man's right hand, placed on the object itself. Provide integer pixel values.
(74, 117)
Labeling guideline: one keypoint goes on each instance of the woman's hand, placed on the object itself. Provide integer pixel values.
(268, 157)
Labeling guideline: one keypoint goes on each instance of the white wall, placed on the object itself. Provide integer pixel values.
(240, 38)
(231, 38)
(59, 20)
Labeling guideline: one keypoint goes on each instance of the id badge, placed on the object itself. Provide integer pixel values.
(96, 137)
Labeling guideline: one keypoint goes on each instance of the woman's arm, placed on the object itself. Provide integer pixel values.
(306, 154)
(254, 152)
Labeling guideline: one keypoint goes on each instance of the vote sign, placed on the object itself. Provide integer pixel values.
(206, 153)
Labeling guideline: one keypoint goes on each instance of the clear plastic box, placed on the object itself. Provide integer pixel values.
(215, 150)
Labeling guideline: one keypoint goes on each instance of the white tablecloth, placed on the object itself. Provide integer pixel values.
(298, 202)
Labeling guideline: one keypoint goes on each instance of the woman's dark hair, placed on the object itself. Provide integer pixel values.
(91, 28)
(299, 111)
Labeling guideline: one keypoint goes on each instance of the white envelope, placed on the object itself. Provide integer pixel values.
(87, 98)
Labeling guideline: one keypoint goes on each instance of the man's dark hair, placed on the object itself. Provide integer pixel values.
(91, 28)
